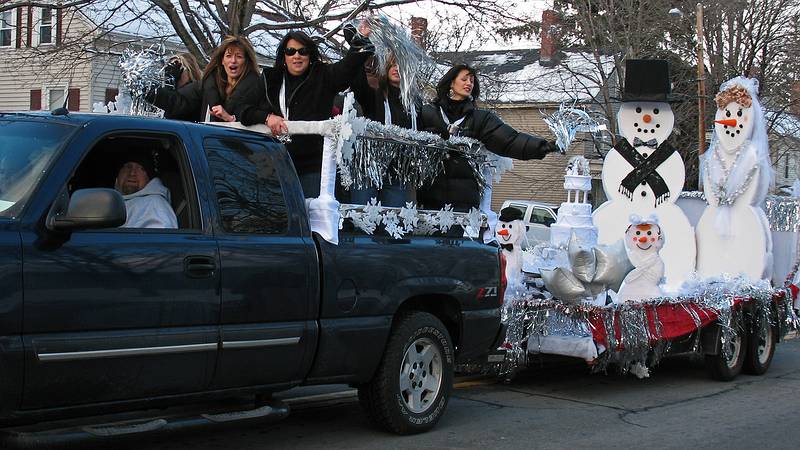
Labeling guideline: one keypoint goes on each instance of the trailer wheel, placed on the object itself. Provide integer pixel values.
(761, 340)
(726, 365)
(411, 388)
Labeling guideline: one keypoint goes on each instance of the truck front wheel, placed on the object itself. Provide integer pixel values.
(411, 388)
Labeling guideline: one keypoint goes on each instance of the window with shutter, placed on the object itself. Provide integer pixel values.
(7, 24)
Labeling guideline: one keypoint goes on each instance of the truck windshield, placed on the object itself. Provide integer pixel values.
(26, 150)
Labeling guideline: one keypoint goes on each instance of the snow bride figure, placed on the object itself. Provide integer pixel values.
(733, 233)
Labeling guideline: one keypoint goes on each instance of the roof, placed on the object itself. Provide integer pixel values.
(519, 76)
(785, 124)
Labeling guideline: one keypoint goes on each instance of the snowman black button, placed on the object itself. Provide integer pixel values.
(644, 155)
(644, 194)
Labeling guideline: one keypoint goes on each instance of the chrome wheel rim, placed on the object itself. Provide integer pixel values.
(764, 343)
(421, 375)
(734, 349)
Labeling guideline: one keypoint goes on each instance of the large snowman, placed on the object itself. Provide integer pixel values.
(733, 234)
(643, 175)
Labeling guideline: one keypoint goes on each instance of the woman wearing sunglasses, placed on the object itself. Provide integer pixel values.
(227, 83)
(302, 87)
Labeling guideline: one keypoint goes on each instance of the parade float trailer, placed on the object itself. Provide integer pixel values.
(653, 270)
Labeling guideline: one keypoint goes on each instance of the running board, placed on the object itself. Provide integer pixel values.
(25, 437)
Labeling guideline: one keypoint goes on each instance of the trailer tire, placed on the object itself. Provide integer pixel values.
(411, 389)
(761, 342)
(726, 368)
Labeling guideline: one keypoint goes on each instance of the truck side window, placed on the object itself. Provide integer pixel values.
(542, 217)
(247, 187)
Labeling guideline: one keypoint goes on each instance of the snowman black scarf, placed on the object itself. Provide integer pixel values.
(644, 169)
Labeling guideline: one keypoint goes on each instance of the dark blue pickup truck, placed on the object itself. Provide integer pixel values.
(242, 299)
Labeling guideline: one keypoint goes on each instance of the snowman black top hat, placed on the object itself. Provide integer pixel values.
(647, 80)
(510, 214)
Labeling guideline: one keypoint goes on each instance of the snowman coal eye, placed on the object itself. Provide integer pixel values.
(638, 109)
(649, 233)
(655, 111)
(727, 113)
(510, 226)
(638, 233)
(739, 113)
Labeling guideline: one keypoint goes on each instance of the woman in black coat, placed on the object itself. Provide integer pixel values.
(383, 104)
(453, 112)
(302, 87)
(226, 85)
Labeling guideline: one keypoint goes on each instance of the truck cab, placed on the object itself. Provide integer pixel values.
(241, 297)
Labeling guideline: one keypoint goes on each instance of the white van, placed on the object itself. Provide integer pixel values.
(537, 216)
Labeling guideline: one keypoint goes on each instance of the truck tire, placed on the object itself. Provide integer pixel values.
(726, 368)
(411, 388)
(761, 341)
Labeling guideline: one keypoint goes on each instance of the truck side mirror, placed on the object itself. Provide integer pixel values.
(88, 209)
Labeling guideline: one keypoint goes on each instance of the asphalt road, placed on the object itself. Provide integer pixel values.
(555, 405)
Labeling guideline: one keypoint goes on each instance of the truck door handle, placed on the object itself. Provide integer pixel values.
(198, 266)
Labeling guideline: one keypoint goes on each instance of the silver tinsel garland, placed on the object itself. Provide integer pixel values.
(142, 72)
(566, 122)
(636, 343)
(375, 154)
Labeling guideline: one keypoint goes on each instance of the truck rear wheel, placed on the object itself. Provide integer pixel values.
(411, 388)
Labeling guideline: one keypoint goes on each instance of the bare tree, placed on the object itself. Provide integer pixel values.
(757, 38)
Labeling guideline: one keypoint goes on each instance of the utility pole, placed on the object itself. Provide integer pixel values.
(701, 93)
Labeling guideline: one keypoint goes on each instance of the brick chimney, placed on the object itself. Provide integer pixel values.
(419, 31)
(547, 54)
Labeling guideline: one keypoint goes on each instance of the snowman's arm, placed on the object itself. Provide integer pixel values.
(636, 274)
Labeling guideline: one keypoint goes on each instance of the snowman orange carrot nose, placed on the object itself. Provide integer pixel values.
(728, 122)
(647, 118)
(643, 239)
(503, 232)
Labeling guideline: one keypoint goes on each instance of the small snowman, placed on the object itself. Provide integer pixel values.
(510, 231)
(643, 241)
(643, 174)
(733, 234)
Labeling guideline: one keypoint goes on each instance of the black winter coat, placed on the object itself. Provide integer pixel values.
(191, 102)
(311, 99)
(457, 185)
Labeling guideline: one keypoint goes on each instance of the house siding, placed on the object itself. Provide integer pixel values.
(27, 68)
(540, 180)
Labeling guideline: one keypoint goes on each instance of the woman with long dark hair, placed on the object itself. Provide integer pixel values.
(302, 87)
(226, 84)
(383, 104)
(453, 112)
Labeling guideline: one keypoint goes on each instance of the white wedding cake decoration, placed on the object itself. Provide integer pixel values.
(575, 215)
